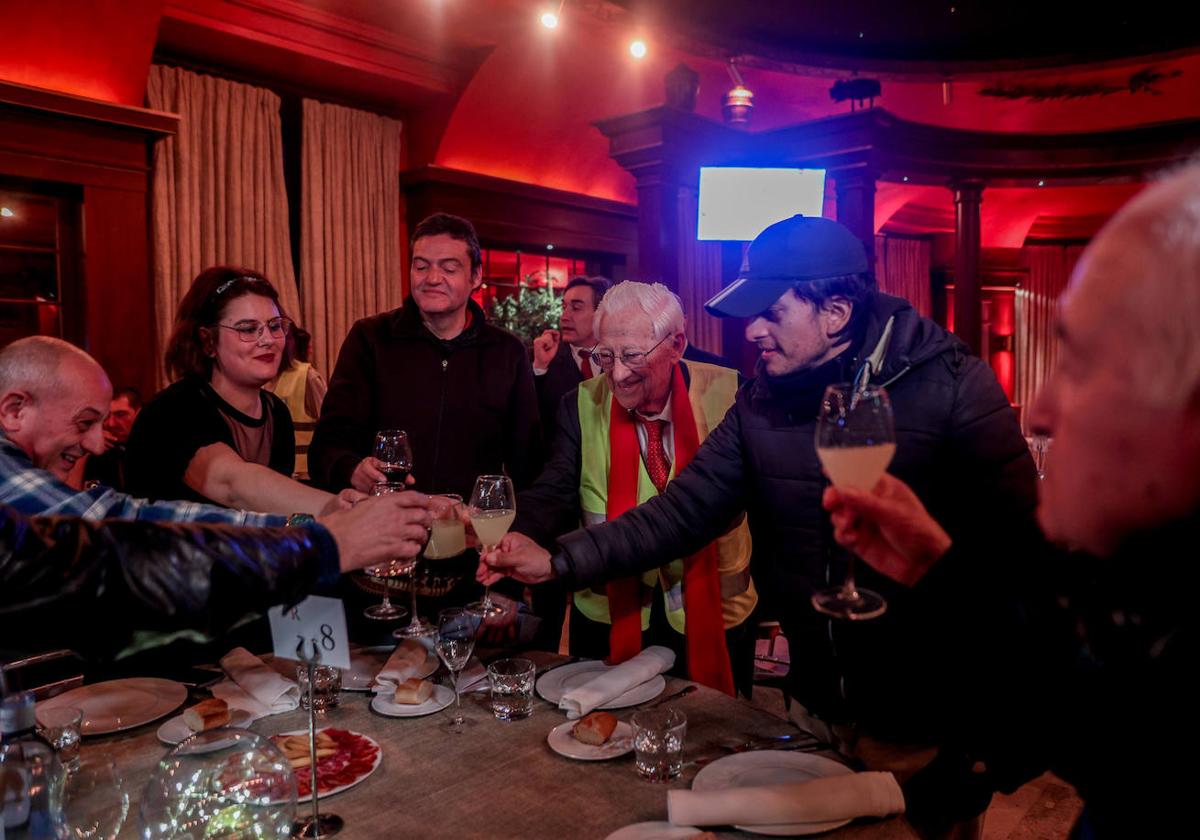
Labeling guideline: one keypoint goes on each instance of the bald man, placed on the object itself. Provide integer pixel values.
(1099, 686)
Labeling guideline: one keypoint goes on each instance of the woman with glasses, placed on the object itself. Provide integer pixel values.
(215, 435)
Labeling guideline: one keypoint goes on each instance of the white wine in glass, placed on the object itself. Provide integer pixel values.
(856, 439)
(492, 508)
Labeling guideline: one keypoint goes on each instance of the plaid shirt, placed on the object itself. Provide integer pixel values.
(36, 492)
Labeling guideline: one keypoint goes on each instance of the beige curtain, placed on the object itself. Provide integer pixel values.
(699, 275)
(350, 233)
(902, 269)
(219, 196)
(1036, 348)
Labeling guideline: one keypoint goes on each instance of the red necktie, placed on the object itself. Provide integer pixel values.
(585, 366)
(656, 456)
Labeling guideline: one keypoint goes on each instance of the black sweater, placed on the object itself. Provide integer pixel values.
(468, 404)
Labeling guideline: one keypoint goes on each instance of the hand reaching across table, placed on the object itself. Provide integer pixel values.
(380, 529)
(518, 557)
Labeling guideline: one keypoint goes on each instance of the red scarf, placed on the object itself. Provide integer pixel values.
(708, 658)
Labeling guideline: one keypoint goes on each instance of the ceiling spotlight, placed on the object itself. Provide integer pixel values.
(637, 48)
(738, 105)
(1041, 183)
(7, 212)
(905, 179)
(549, 20)
(549, 247)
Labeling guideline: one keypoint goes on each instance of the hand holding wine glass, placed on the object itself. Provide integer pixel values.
(396, 567)
(493, 507)
(856, 439)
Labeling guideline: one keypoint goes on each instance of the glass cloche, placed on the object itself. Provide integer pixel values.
(224, 783)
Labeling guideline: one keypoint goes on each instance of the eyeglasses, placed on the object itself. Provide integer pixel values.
(249, 331)
(632, 359)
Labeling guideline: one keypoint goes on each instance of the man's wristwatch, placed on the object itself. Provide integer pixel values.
(299, 520)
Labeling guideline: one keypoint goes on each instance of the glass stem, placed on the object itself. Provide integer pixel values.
(849, 592)
(457, 697)
(387, 601)
(413, 582)
(486, 603)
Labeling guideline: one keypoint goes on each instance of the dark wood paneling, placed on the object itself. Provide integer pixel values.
(512, 214)
(103, 150)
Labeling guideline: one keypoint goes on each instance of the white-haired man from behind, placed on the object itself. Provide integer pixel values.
(620, 439)
(1123, 485)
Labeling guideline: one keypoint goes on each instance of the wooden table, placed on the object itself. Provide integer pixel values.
(499, 779)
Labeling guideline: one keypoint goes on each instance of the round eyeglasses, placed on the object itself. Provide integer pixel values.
(632, 359)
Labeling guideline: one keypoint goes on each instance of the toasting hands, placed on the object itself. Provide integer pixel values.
(888, 527)
(518, 557)
(380, 529)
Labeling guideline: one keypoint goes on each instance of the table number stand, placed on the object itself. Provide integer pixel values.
(317, 825)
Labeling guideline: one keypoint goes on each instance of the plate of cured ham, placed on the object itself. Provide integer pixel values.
(344, 759)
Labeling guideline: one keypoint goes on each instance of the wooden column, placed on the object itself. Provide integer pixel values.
(968, 279)
(856, 204)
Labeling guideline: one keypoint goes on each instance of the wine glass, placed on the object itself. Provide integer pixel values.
(454, 644)
(95, 802)
(856, 439)
(492, 509)
(393, 455)
(387, 611)
(447, 538)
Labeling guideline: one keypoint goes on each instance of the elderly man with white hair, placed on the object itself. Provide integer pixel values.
(1100, 688)
(621, 438)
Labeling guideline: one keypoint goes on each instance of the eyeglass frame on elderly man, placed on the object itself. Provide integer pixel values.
(634, 360)
(278, 327)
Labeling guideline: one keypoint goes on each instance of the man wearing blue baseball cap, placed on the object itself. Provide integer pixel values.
(809, 297)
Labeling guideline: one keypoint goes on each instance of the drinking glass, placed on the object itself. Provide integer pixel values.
(658, 743)
(447, 538)
(512, 688)
(63, 727)
(856, 439)
(455, 641)
(393, 455)
(326, 687)
(95, 802)
(492, 509)
(383, 574)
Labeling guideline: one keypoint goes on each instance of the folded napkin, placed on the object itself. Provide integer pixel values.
(473, 678)
(404, 663)
(611, 683)
(826, 799)
(254, 687)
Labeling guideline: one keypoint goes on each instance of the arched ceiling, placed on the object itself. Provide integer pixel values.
(518, 101)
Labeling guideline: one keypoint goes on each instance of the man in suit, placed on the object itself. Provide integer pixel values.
(561, 357)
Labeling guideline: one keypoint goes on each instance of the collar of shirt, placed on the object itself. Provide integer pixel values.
(575, 349)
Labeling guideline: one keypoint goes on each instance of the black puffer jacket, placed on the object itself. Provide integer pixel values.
(959, 447)
(90, 585)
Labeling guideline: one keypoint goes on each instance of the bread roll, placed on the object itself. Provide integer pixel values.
(594, 729)
(207, 714)
(412, 692)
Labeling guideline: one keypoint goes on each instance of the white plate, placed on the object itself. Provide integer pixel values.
(337, 790)
(556, 682)
(442, 697)
(654, 831)
(563, 743)
(365, 663)
(771, 767)
(174, 731)
(117, 705)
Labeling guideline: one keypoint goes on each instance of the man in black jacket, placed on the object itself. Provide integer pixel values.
(460, 387)
(562, 357)
(817, 320)
(69, 582)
